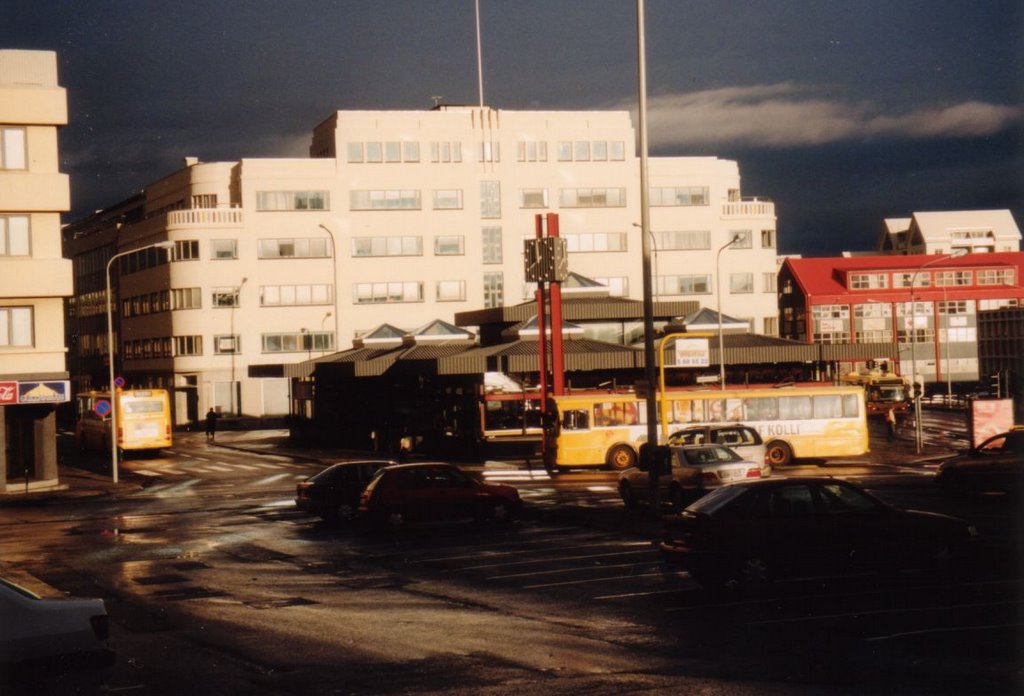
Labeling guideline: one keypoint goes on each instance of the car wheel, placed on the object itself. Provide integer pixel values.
(627, 495)
(345, 512)
(501, 512)
(779, 453)
(753, 575)
(621, 457)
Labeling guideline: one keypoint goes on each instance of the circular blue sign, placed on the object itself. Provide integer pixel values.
(119, 382)
(102, 408)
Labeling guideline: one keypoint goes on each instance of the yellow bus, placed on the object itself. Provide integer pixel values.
(607, 429)
(143, 420)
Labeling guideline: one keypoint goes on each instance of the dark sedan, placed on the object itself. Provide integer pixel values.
(433, 492)
(751, 533)
(996, 465)
(333, 494)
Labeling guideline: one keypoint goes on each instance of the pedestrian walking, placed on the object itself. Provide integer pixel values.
(890, 421)
(211, 424)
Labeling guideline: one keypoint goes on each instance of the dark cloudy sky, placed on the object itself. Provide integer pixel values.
(843, 112)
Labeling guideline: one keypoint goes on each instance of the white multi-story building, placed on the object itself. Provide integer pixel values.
(403, 217)
(950, 232)
(34, 278)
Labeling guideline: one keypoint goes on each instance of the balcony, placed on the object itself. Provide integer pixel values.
(749, 208)
(204, 217)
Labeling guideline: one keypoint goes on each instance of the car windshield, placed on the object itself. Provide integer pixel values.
(700, 456)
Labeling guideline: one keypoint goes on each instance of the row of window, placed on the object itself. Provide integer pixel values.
(191, 298)
(13, 152)
(227, 344)
(925, 279)
(16, 327)
(14, 235)
(395, 152)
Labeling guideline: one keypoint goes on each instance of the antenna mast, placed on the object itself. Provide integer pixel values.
(479, 55)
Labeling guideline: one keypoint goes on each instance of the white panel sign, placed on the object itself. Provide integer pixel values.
(692, 352)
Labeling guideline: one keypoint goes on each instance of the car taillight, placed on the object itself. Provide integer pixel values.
(100, 626)
(753, 473)
(710, 477)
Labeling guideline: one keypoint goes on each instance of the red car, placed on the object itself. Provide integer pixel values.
(431, 491)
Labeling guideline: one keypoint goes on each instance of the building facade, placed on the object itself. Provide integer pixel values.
(399, 217)
(953, 231)
(926, 307)
(34, 278)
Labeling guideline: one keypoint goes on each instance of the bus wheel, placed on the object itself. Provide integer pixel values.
(779, 453)
(621, 457)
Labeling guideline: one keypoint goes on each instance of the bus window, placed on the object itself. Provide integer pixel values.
(734, 410)
(576, 419)
(794, 407)
(828, 406)
(851, 406)
(762, 408)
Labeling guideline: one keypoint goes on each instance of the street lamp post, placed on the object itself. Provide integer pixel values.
(918, 436)
(110, 350)
(334, 267)
(718, 293)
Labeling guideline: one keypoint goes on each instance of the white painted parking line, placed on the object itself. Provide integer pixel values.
(173, 470)
(266, 465)
(146, 472)
(217, 467)
(590, 580)
(247, 467)
(559, 571)
(270, 479)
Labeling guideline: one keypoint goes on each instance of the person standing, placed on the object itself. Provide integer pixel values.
(890, 421)
(211, 424)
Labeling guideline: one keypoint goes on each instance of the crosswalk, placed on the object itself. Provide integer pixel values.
(198, 469)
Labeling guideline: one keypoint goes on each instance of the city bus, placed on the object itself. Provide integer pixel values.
(143, 420)
(795, 421)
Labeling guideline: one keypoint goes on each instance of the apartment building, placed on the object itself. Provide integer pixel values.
(34, 278)
(964, 231)
(400, 218)
(927, 307)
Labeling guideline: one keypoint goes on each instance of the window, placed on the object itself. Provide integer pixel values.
(445, 152)
(590, 150)
(448, 199)
(374, 152)
(292, 200)
(399, 199)
(661, 196)
(683, 285)
(771, 326)
(204, 200)
(292, 295)
(490, 199)
(186, 250)
(355, 152)
(869, 281)
(742, 238)
(488, 152)
(682, 240)
(12, 148)
(912, 280)
(595, 241)
(593, 198)
(14, 235)
(767, 239)
(533, 198)
(294, 342)
(186, 298)
(188, 345)
(227, 345)
(494, 289)
(451, 290)
(953, 278)
(581, 151)
(741, 283)
(225, 297)
(387, 246)
(315, 247)
(491, 244)
(224, 248)
(449, 245)
(771, 282)
(1001, 276)
(15, 326)
(387, 293)
(531, 151)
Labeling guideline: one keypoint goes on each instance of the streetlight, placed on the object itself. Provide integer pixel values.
(334, 267)
(718, 292)
(167, 244)
(913, 342)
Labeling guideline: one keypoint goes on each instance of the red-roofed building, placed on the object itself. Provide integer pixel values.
(926, 307)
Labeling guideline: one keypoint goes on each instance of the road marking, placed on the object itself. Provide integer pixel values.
(270, 479)
(558, 571)
(147, 472)
(583, 582)
(265, 465)
(217, 467)
(247, 467)
(562, 558)
(951, 629)
(876, 612)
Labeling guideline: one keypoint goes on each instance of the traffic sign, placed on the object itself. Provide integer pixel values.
(119, 382)
(102, 408)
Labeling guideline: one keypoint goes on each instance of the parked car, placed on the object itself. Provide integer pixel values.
(752, 533)
(695, 469)
(997, 464)
(333, 494)
(742, 439)
(51, 641)
(433, 491)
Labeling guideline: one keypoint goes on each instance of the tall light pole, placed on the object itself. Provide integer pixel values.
(110, 350)
(236, 406)
(334, 266)
(718, 292)
(913, 343)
